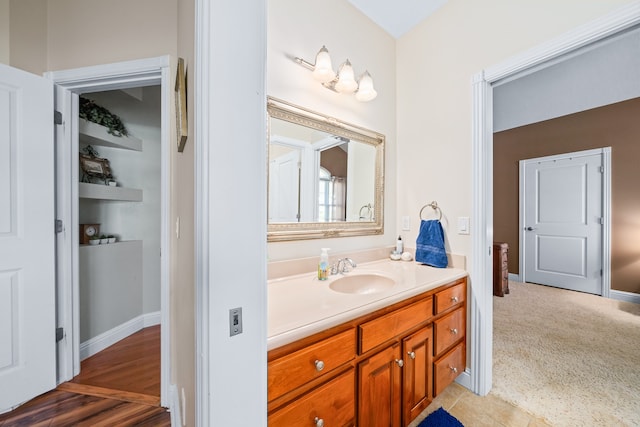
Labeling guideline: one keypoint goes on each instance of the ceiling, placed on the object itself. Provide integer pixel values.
(397, 17)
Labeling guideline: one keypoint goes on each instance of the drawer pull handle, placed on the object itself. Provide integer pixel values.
(454, 331)
(453, 369)
(400, 362)
(412, 354)
(319, 422)
(319, 367)
(454, 299)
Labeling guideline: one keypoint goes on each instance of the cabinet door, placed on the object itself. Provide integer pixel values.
(379, 400)
(417, 378)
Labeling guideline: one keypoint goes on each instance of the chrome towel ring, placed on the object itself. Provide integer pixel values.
(433, 205)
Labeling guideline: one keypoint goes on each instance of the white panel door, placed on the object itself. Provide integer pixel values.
(284, 188)
(27, 275)
(563, 222)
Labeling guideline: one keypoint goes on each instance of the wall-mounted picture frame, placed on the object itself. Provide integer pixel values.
(181, 106)
(94, 167)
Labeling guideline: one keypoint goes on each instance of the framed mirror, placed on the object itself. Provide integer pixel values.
(325, 176)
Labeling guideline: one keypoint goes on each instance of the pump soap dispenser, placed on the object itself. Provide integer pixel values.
(323, 265)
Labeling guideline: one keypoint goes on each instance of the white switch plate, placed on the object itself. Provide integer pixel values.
(463, 225)
(406, 223)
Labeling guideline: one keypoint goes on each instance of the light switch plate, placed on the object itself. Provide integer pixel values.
(235, 321)
(463, 225)
(406, 223)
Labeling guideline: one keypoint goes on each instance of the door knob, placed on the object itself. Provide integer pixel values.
(411, 354)
(319, 365)
(400, 362)
(529, 228)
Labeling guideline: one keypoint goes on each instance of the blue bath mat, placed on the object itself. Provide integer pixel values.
(440, 418)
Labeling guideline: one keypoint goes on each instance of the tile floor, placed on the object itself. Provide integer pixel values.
(476, 411)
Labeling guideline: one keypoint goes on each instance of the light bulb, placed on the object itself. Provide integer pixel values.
(323, 71)
(346, 80)
(366, 92)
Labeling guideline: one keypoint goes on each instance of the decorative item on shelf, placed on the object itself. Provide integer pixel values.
(111, 238)
(94, 240)
(104, 239)
(181, 106)
(95, 113)
(344, 80)
(88, 231)
(94, 167)
(112, 183)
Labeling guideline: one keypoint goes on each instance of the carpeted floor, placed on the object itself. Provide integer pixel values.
(570, 357)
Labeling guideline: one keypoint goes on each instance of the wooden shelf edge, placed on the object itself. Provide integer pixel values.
(95, 134)
(106, 192)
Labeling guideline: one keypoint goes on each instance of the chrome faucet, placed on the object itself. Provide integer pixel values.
(342, 266)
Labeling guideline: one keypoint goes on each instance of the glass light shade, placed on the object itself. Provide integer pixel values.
(366, 92)
(323, 70)
(346, 79)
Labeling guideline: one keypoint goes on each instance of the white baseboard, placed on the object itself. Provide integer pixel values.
(464, 379)
(515, 277)
(112, 336)
(624, 296)
(174, 406)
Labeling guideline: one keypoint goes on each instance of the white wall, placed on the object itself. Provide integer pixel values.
(600, 75)
(436, 61)
(297, 28)
(133, 169)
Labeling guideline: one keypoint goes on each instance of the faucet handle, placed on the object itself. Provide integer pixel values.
(334, 268)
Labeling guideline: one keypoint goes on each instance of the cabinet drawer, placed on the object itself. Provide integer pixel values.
(293, 370)
(333, 402)
(448, 368)
(384, 328)
(449, 329)
(450, 297)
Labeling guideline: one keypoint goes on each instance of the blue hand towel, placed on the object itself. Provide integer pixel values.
(430, 244)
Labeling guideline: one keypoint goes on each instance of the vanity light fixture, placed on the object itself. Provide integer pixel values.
(344, 81)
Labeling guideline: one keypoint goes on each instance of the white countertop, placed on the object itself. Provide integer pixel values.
(301, 305)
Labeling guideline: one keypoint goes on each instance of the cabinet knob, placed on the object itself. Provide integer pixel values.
(454, 299)
(319, 366)
(453, 369)
(400, 362)
(319, 422)
(454, 331)
(412, 354)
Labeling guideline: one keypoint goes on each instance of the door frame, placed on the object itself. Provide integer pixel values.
(70, 84)
(605, 249)
(481, 307)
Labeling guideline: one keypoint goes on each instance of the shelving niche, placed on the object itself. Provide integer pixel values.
(94, 134)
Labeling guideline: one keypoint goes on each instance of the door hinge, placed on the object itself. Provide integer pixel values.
(601, 220)
(601, 169)
(59, 226)
(600, 272)
(59, 334)
(57, 117)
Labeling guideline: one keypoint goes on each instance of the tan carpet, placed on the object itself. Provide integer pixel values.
(570, 357)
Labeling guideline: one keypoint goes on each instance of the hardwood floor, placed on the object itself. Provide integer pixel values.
(119, 386)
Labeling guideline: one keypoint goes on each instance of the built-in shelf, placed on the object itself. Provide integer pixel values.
(106, 192)
(94, 134)
(118, 243)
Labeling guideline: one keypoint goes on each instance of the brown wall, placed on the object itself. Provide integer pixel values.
(616, 126)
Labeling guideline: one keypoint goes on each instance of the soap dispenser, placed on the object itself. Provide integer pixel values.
(399, 245)
(323, 264)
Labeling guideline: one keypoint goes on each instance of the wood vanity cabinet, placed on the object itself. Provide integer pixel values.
(382, 369)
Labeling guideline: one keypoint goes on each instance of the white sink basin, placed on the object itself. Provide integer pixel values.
(366, 283)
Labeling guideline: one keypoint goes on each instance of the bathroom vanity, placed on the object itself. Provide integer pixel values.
(371, 358)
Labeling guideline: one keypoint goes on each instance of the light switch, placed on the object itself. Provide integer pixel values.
(463, 225)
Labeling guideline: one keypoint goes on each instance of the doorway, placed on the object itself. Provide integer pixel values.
(70, 85)
(561, 216)
(482, 142)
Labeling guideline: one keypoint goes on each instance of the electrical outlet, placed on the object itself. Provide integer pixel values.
(235, 321)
